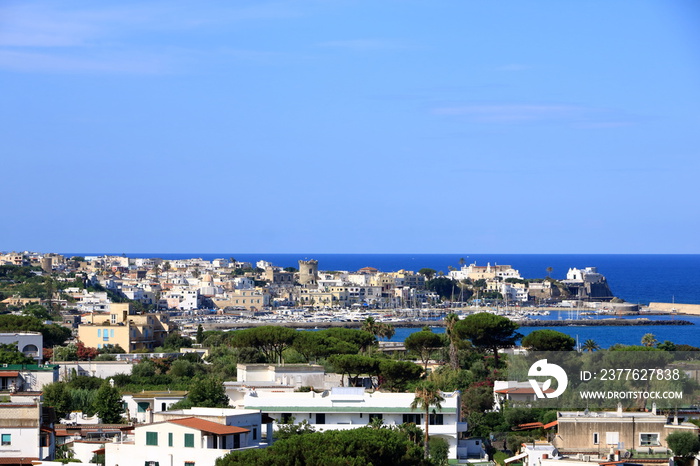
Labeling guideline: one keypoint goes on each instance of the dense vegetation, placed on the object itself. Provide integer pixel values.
(365, 446)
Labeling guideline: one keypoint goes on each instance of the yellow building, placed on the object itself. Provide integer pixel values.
(251, 300)
(120, 327)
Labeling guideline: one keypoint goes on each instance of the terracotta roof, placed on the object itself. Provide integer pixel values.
(21, 461)
(208, 426)
(535, 425)
(9, 373)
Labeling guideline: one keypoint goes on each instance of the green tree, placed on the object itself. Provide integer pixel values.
(428, 273)
(57, 395)
(354, 365)
(270, 340)
(453, 337)
(684, 444)
(439, 450)
(423, 344)
(200, 334)
(489, 331)
(396, 375)
(354, 447)
(207, 392)
(443, 286)
(649, 340)
(9, 354)
(53, 334)
(548, 340)
(108, 404)
(361, 339)
(590, 345)
(174, 341)
(314, 345)
(667, 346)
(290, 429)
(427, 396)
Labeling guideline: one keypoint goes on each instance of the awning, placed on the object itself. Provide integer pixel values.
(550, 424)
(9, 373)
(515, 458)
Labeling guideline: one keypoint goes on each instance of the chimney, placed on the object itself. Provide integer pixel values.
(653, 408)
(619, 409)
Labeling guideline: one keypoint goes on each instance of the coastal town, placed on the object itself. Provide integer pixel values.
(118, 360)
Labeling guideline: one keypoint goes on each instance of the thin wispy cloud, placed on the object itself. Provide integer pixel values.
(511, 113)
(364, 44)
(58, 63)
(60, 37)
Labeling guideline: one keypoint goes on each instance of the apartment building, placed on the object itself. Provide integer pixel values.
(121, 327)
(351, 407)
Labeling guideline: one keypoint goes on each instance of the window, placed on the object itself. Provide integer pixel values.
(189, 463)
(6, 439)
(596, 438)
(411, 418)
(320, 418)
(152, 438)
(111, 333)
(373, 416)
(612, 438)
(435, 419)
(99, 332)
(152, 463)
(170, 439)
(255, 433)
(286, 418)
(649, 440)
(189, 440)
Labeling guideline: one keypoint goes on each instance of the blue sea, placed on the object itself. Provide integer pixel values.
(607, 336)
(636, 278)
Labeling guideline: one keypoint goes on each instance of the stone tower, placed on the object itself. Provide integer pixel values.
(308, 272)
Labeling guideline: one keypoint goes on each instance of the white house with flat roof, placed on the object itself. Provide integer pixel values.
(351, 407)
(143, 405)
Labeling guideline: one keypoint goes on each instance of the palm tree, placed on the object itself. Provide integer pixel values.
(372, 327)
(452, 336)
(386, 331)
(649, 340)
(590, 345)
(427, 395)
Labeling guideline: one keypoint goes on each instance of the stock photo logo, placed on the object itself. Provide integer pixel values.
(542, 368)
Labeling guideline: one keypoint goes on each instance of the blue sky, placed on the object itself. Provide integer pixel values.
(350, 126)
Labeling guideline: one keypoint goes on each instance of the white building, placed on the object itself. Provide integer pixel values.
(142, 406)
(27, 377)
(350, 407)
(22, 436)
(188, 440)
(28, 343)
(588, 275)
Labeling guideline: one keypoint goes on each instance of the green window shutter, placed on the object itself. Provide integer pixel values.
(170, 439)
(152, 438)
(189, 440)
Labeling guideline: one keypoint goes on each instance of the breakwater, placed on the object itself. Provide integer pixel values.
(600, 322)
(613, 322)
